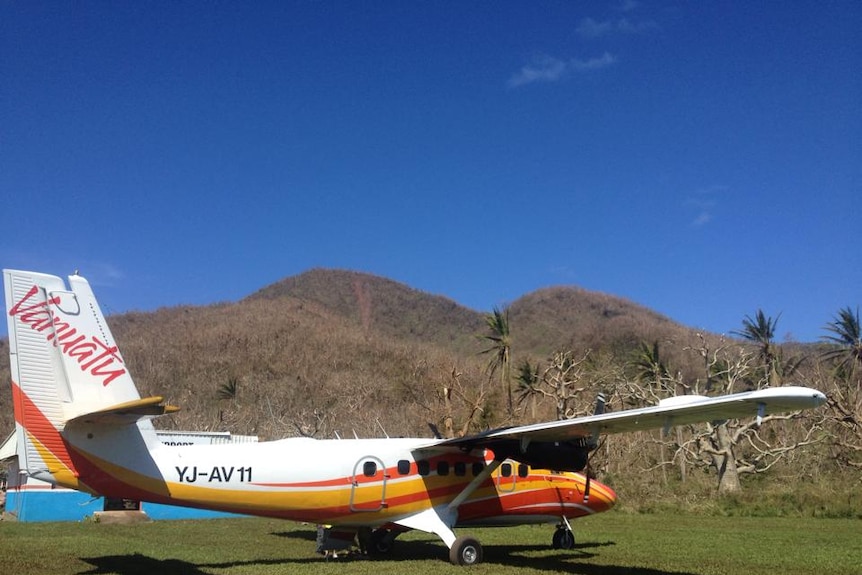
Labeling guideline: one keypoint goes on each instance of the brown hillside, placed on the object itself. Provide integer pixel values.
(344, 343)
(383, 306)
(561, 318)
(294, 365)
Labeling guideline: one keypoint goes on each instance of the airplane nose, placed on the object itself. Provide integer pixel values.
(602, 497)
(611, 497)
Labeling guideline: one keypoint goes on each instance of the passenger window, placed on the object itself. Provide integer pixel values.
(506, 470)
(442, 468)
(523, 470)
(478, 468)
(460, 468)
(423, 467)
(369, 469)
(403, 467)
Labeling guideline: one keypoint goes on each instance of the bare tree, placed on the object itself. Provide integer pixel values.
(657, 383)
(562, 383)
(461, 405)
(736, 447)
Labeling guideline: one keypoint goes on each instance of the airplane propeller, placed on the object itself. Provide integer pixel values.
(592, 444)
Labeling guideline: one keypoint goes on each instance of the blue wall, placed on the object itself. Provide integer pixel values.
(68, 505)
(51, 505)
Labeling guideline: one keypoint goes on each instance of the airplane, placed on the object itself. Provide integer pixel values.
(84, 426)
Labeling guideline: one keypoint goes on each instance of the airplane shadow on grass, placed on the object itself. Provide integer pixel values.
(533, 556)
(575, 561)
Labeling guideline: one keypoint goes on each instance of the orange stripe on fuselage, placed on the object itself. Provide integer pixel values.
(28, 416)
(47, 441)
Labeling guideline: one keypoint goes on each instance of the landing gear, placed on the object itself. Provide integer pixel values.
(563, 538)
(382, 541)
(465, 551)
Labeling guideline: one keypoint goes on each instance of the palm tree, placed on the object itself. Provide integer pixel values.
(500, 350)
(228, 390)
(650, 366)
(761, 331)
(846, 349)
(528, 379)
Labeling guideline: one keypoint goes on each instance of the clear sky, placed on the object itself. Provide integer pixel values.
(703, 159)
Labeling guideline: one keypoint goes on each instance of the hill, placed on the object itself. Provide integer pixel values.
(335, 350)
(557, 318)
(542, 322)
(382, 306)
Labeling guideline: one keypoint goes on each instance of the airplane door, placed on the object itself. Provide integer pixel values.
(368, 492)
(506, 477)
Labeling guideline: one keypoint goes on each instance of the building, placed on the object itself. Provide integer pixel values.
(28, 499)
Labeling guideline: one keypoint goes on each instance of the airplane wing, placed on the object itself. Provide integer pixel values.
(672, 411)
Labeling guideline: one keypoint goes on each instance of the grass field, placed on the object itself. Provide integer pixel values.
(613, 544)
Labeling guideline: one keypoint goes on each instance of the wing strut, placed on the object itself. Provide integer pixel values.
(441, 520)
(473, 485)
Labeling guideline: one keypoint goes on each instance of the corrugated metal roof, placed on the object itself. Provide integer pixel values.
(203, 437)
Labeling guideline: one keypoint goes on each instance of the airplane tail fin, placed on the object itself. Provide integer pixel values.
(66, 368)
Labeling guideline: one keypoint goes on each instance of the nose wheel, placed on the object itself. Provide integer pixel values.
(563, 538)
(465, 551)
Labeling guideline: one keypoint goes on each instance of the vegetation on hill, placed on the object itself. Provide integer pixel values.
(382, 306)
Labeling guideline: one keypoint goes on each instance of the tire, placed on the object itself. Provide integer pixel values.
(381, 543)
(465, 551)
(563, 539)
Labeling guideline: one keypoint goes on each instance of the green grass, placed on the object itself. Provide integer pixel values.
(614, 544)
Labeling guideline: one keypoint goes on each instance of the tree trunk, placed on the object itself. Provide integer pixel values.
(725, 461)
(448, 425)
(682, 469)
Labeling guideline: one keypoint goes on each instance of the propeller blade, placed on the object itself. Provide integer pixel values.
(593, 442)
(587, 484)
(600, 404)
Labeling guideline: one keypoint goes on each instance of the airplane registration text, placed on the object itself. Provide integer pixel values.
(218, 474)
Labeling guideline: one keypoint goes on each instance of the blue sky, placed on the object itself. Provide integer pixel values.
(703, 159)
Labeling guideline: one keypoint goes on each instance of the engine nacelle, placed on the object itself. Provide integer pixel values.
(556, 455)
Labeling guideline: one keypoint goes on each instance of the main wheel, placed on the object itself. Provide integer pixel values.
(465, 551)
(381, 542)
(563, 539)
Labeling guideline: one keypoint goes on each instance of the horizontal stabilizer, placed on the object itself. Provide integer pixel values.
(128, 412)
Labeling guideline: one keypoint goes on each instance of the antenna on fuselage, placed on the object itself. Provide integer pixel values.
(435, 431)
(380, 425)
